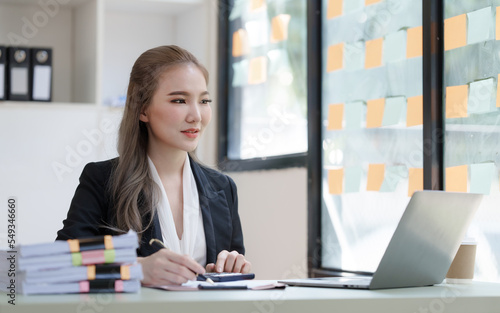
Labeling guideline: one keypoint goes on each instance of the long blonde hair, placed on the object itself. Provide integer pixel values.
(132, 188)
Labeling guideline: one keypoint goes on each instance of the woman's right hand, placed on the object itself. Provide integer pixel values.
(166, 267)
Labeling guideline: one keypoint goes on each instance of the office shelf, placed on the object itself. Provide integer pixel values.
(95, 42)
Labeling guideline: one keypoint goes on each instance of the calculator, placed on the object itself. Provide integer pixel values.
(221, 277)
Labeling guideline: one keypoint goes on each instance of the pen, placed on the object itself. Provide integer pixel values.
(161, 245)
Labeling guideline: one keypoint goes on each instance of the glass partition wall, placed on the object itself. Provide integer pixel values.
(472, 118)
(371, 134)
(371, 126)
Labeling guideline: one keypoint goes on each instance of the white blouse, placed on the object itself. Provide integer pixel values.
(192, 242)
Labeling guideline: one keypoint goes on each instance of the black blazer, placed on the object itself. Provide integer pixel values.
(91, 208)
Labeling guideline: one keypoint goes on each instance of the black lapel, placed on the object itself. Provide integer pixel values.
(153, 231)
(205, 193)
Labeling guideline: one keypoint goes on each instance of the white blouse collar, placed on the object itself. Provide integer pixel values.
(193, 234)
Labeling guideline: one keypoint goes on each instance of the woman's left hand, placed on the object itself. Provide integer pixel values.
(230, 262)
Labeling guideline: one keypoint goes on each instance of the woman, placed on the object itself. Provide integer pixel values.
(154, 187)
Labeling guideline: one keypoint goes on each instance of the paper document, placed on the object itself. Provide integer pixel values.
(249, 284)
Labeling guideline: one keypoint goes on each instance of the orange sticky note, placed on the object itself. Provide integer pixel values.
(257, 4)
(334, 8)
(456, 178)
(415, 111)
(125, 272)
(373, 54)
(455, 32)
(375, 177)
(91, 272)
(498, 91)
(240, 42)
(335, 179)
(497, 27)
(335, 116)
(257, 73)
(375, 112)
(335, 57)
(279, 27)
(456, 101)
(368, 2)
(414, 42)
(415, 180)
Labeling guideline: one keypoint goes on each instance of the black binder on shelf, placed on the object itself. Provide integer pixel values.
(3, 72)
(41, 74)
(18, 73)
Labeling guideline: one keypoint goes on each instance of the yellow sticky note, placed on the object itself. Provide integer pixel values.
(375, 177)
(369, 2)
(373, 54)
(375, 112)
(334, 8)
(455, 32)
(257, 4)
(335, 116)
(415, 111)
(456, 101)
(414, 42)
(415, 180)
(335, 57)
(497, 27)
(279, 27)
(240, 42)
(257, 73)
(335, 180)
(456, 178)
(498, 91)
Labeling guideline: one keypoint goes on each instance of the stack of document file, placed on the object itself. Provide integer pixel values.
(97, 264)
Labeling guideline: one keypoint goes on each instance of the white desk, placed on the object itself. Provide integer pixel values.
(475, 298)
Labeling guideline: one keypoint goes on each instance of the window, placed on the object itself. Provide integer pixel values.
(263, 90)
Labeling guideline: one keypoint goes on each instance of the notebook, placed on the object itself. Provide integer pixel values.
(107, 242)
(124, 256)
(87, 286)
(422, 247)
(80, 273)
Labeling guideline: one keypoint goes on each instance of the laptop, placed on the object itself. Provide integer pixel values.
(422, 247)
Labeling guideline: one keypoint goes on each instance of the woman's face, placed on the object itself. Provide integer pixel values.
(180, 109)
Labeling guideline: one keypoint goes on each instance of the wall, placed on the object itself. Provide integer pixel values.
(120, 30)
(44, 149)
(273, 211)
